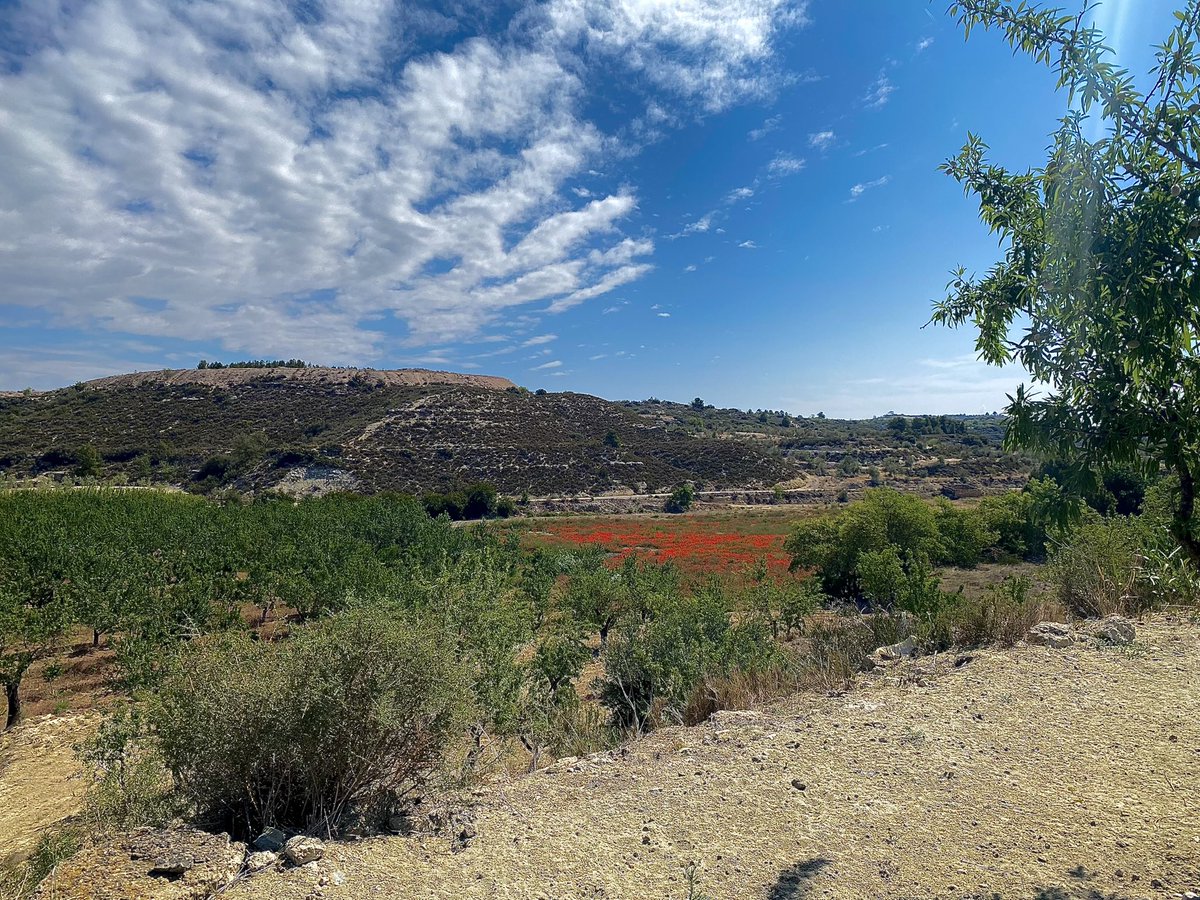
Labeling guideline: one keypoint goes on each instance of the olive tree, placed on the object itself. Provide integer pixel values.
(1096, 294)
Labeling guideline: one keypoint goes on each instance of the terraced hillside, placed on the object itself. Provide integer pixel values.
(364, 429)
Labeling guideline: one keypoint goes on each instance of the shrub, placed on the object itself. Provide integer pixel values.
(348, 715)
(884, 517)
(897, 530)
(837, 648)
(681, 499)
(849, 466)
(1016, 520)
(652, 669)
(964, 535)
(1004, 614)
(130, 787)
(1097, 569)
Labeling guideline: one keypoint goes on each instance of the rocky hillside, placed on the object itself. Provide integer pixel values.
(407, 430)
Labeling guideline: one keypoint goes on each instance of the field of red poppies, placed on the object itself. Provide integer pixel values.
(728, 544)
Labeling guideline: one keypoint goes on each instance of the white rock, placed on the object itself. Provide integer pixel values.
(1051, 634)
(302, 850)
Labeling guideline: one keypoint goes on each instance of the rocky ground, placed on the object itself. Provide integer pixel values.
(1068, 772)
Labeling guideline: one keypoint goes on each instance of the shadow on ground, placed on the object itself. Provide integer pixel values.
(793, 882)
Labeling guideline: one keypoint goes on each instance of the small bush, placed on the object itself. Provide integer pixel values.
(348, 715)
(838, 648)
(1004, 614)
(653, 669)
(681, 499)
(130, 786)
(1097, 569)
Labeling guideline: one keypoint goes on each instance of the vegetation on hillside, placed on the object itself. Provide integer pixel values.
(416, 439)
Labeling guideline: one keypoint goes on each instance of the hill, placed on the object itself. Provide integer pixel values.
(407, 430)
(414, 430)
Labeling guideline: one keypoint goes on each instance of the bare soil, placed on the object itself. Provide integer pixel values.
(40, 783)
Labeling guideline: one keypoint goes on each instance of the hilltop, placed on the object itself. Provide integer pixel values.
(414, 430)
(309, 375)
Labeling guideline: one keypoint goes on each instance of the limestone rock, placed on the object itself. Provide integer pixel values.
(302, 849)
(1110, 630)
(1051, 634)
(176, 863)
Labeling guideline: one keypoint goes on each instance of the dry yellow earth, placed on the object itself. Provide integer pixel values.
(1023, 773)
(39, 779)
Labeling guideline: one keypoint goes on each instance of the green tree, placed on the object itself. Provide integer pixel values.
(681, 499)
(87, 461)
(697, 404)
(1096, 294)
(34, 609)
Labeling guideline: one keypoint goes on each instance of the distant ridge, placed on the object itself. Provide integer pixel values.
(309, 375)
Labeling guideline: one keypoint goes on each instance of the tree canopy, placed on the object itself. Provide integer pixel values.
(1096, 295)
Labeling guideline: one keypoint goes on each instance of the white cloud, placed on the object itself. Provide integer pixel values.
(784, 164)
(769, 125)
(821, 140)
(711, 51)
(691, 268)
(700, 226)
(553, 364)
(748, 245)
(663, 315)
(862, 187)
(540, 339)
(881, 90)
(738, 194)
(924, 44)
(598, 356)
(290, 183)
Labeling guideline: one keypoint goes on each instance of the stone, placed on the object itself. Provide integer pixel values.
(901, 650)
(302, 850)
(272, 840)
(172, 864)
(1051, 634)
(1111, 630)
(262, 859)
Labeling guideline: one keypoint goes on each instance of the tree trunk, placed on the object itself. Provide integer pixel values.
(12, 691)
(95, 638)
(1181, 528)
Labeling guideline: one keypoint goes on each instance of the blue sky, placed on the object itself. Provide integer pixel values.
(737, 200)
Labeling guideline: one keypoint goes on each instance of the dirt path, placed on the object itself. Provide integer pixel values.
(1024, 773)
